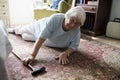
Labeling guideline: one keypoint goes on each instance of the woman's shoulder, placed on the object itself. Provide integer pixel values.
(58, 15)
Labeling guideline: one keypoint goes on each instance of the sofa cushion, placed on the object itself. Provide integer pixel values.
(54, 4)
(69, 1)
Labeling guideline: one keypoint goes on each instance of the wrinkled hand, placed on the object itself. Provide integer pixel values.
(63, 58)
(28, 60)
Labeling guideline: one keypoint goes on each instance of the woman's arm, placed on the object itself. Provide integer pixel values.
(36, 48)
(69, 51)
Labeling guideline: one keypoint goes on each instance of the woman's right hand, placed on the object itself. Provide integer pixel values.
(28, 60)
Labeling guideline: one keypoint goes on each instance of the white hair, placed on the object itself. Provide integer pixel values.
(76, 11)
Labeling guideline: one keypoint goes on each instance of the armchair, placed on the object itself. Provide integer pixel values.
(63, 6)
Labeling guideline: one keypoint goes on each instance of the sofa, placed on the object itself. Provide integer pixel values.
(43, 11)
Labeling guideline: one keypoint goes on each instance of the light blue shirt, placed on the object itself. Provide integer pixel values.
(51, 30)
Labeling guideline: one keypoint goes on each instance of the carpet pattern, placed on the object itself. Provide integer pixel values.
(88, 63)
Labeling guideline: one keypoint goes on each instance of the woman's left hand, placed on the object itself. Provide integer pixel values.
(63, 58)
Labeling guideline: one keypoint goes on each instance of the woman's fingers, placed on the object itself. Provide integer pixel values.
(27, 60)
(63, 61)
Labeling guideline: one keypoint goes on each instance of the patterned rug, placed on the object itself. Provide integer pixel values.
(92, 61)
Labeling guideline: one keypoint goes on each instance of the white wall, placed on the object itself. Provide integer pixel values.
(115, 9)
(21, 11)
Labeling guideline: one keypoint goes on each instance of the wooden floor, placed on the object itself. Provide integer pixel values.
(105, 39)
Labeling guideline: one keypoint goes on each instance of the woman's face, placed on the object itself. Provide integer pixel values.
(72, 23)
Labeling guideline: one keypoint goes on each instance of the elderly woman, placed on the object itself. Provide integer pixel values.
(58, 30)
